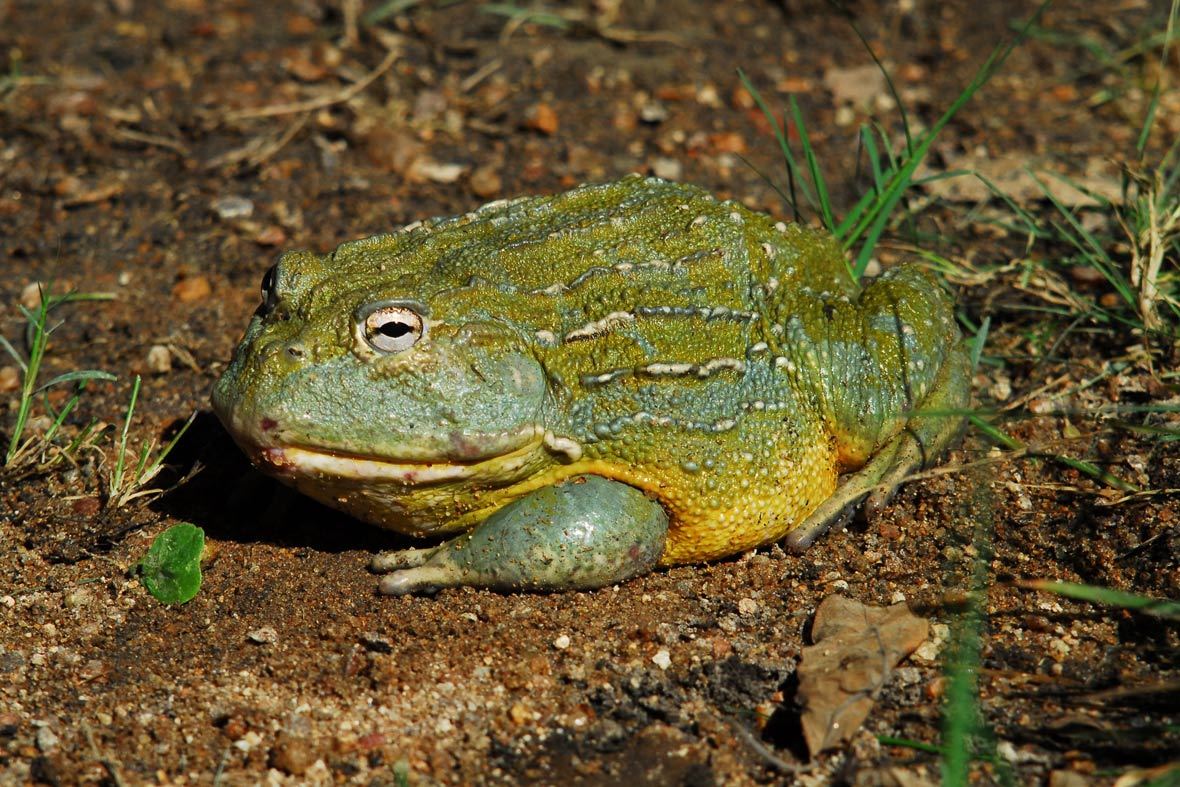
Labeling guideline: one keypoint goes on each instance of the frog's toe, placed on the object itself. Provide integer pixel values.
(909, 459)
(419, 580)
(832, 513)
(385, 562)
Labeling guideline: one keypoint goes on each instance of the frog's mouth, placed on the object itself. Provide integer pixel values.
(293, 462)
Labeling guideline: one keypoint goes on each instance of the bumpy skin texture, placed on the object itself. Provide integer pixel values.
(724, 364)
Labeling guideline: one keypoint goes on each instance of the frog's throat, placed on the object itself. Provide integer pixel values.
(295, 461)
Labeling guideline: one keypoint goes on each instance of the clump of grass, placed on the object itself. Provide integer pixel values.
(22, 450)
(126, 484)
(1142, 266)
(892, 170)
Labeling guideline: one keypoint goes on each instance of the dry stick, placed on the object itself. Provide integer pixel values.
(269, 150)
(312, 104)
(112, 768)
(480, 74)
(132, 135)
(762, 750)
(352, 11)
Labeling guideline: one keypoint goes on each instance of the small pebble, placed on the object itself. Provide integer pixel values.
(248, 741)
(747, 606)
(485, 182)
(233, 207)
(30, 296)
(263, 636)
(9, 379)
(662, 659)
(666, 168)
(562, 642)
(271, 235)
(542, 118)
(192, 289)
(159, 359)
(47, 741)
(653, 112)
(292, 755)
(436, 172)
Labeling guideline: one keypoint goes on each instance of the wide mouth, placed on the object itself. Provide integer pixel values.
(296, 461)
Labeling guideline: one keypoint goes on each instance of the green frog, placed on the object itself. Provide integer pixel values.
(568, 391)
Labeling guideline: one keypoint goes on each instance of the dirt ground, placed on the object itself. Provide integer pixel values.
(166, 151)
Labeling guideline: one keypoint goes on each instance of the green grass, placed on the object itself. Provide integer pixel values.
(22, 450)
(861, 227)
(1149, 216)
(387, 9)
(128, 480)
(520, 15)
(1160, 608)
(126, 484)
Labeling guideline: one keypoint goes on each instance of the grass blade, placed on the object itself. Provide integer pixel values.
(783, 144)
(1160, 608)
(817, 176)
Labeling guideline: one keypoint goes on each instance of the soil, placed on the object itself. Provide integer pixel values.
(166, 152)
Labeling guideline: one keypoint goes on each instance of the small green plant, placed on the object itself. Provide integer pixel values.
(22, 449)
(892, 170)
(126, 484)
(171, 569)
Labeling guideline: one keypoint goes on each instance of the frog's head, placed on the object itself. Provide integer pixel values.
(367, 367)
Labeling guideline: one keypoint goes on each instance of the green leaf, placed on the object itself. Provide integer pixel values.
(171, 569)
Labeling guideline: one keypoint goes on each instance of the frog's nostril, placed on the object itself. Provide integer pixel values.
(296, 351)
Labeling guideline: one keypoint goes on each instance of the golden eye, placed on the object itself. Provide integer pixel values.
(391, 329)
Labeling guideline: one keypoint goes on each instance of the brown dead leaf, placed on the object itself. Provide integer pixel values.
(856, 648)
(1011, 174)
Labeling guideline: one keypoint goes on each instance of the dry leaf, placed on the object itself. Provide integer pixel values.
(856, 648)
(1010, 174)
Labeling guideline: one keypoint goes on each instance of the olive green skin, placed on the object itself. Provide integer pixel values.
(725, 364)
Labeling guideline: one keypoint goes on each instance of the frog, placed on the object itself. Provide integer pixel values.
(565, 392)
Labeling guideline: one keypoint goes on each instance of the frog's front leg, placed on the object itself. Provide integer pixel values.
(911, 376)
(585, 533)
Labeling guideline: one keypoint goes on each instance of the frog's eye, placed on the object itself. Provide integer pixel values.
(391, 329)
(269, 296)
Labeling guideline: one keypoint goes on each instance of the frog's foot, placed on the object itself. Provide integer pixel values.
(928, 433)
(585, 533)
